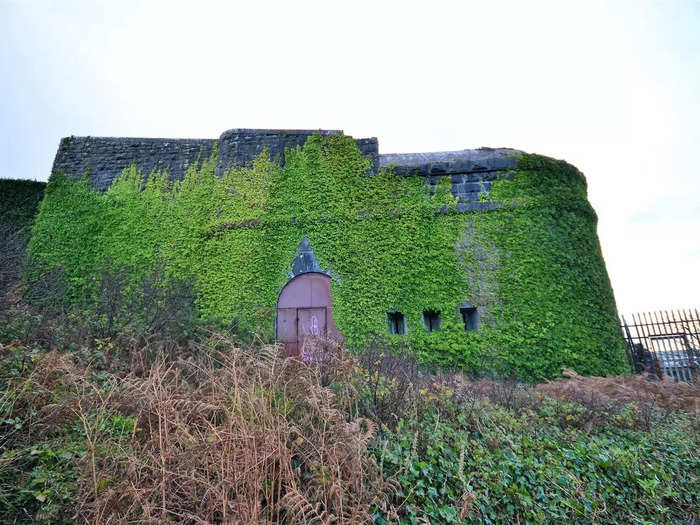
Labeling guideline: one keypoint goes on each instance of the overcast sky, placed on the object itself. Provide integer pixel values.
(612, 87)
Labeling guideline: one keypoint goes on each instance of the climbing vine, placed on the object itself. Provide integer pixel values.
(532, 265)
(19, 200)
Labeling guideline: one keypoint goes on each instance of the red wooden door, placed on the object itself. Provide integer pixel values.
(304, 312)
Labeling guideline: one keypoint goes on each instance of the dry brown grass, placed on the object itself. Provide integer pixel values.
(251, 437)
(636, 389)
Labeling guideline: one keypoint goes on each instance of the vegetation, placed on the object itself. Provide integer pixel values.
(532, 265)
(19, 200)
(139, 381)
(541, 462)
(136, 424)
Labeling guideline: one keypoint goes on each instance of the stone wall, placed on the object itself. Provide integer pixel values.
(241, 146)
(104, 158)
(470, 170)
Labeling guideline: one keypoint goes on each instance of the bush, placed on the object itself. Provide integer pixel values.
(240, 436)
(115, 311)
(390, 380)
(215, 432)
(499, 468)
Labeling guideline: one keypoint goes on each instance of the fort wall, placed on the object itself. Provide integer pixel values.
(103, 158)
(523, 287)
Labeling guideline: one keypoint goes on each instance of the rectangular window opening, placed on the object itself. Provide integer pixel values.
(397, 322)
(431, 318)
(470, 317)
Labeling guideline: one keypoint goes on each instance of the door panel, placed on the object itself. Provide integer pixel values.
(311, 325)
(312, 322)
(296, 294)
(320, 292)
(287, 325)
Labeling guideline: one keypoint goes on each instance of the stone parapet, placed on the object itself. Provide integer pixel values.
(104, 158)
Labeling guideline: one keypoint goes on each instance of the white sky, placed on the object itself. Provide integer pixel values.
(612, 87)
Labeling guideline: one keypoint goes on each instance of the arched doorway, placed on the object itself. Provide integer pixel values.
(304, 312)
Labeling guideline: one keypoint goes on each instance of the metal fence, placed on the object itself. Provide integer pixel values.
(664, 343)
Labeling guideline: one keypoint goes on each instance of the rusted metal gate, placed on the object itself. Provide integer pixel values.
(304, 314)
(664, 342)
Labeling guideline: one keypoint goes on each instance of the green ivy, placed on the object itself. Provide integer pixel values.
(19, 200)
(527, 469)
(532, 265)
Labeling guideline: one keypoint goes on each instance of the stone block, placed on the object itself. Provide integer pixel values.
(458, 189)
(474, 187)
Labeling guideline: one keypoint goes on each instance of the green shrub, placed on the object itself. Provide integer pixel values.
(490, 465)
(38, 482)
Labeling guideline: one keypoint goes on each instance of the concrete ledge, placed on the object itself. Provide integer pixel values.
(450, 162)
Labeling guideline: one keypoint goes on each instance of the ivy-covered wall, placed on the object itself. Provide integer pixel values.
(19, 200)
(528, 258)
